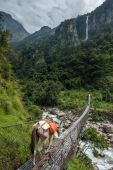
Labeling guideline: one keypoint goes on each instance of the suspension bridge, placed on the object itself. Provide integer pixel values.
(62, 149)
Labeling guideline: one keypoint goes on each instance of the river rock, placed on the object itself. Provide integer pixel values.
(101, 154)
(57, 112)
(111, 137)
(89, 119)
(68, 121)
(108, 128)
(69, 112)
(66, 125)
(62, 118)
(95, 166)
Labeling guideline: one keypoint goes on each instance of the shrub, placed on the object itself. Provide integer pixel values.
(95, 116)
(43, 93)
(95, 153)
(93, 135)
(35, 111)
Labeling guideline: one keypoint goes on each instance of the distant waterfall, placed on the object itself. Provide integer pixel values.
(87, 28)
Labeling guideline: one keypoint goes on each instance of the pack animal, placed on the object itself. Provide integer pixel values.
(44, 130)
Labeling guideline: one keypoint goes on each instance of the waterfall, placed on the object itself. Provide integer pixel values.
(87, 28)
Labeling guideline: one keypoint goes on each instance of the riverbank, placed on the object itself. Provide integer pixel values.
(105, 128)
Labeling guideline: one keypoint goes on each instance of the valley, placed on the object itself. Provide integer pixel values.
(55, 69)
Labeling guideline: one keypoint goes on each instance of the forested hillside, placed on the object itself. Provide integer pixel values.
(48, 65)
(10, 102)
(12, 110)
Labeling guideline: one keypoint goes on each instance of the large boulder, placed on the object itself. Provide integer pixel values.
(101, 154)
(111, 138)
(108, 128)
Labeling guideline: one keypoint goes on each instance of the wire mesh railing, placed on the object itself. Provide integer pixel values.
(15, 145)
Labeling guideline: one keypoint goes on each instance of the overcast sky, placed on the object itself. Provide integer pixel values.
(34, 14)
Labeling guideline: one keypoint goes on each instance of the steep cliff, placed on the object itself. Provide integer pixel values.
(100, 18)
(66, 33)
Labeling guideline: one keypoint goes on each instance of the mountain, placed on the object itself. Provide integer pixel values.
(15, 27)
(64, 61)
(66, 33)
(98, 19)
(101, 17)
(74, 30)
(43, 34)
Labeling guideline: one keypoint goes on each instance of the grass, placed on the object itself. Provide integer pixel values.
(14, 141)
(73, 99)
(78, 164)
(11, 107)
(77, 99)
(14, 146)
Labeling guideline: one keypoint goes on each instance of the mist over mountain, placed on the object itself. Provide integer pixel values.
(73, 30)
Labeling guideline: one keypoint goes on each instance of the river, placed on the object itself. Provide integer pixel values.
(103, 163)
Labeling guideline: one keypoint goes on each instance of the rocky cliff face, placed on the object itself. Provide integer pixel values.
(15, 27)
(66, 33)
(72, 31)
(101, 17)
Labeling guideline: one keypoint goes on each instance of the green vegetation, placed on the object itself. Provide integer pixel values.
(73, 99)
(77, 99)
(88, 66)
(57, 72)
(11, 107)
(92, 135)
(45, 93)
(80, 164)
(35, 112)
(14, 146)
(95, 153)
(14, 141)
(12, 110)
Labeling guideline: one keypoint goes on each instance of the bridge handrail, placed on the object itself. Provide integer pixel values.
(19, 124)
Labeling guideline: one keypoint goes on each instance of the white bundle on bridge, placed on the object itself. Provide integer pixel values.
(43, 124)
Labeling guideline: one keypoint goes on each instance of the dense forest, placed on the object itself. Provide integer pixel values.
(48, 68)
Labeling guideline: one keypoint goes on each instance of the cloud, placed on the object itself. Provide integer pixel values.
(33, 14)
